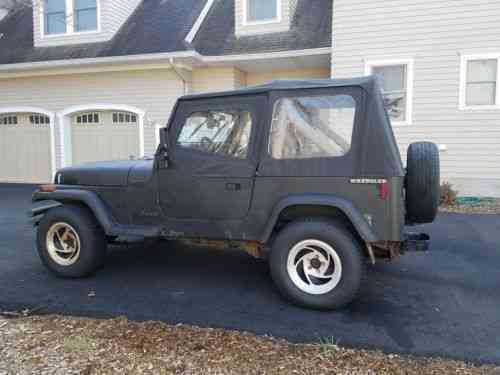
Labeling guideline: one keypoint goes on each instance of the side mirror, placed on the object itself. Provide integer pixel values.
(162, 156)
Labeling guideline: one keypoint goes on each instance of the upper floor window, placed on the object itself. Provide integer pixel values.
(70, 16)
(479, 88)
(396, 81)
(85, 15)
(55, 16)
(257, 11)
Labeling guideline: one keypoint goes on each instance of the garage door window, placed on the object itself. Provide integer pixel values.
(225, 133)
(39, 119)
(124, 118)
(87, 118)
(312, 127)
(8, 120)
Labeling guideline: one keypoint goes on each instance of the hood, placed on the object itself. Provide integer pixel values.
(108, 173)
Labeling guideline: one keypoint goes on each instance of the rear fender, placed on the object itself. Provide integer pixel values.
(358, 221)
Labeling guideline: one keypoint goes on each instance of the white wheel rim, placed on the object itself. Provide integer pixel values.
(314, 267)
(63, 244)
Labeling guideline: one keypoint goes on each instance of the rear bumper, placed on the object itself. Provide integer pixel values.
(415, 242)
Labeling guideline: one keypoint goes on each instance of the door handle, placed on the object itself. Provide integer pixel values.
(233, 186)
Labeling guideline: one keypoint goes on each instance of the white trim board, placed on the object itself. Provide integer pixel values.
(410, 66)
(52, 117)
(199, 21)
(8, 68)
(464, 59)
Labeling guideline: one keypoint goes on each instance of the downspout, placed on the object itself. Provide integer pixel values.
(180, 75)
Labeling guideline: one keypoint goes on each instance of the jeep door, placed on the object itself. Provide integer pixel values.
(212, 161)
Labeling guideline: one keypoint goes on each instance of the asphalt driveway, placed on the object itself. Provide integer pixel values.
(445, 302)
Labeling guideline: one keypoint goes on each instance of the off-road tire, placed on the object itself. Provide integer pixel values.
(92, 241)
(422, 182)
(341, 240)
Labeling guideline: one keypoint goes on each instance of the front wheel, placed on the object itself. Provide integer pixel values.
(70, 242)
(317, 264)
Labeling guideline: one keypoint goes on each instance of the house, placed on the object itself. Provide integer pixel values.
(439, 62)
(88, 80)
(85, 80)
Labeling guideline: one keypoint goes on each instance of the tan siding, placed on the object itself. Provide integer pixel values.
(217, 79)
(434, 34)
(113, 14)
(266, 77)
(154, 92)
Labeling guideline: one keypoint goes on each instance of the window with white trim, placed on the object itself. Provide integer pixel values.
(37, 119)
(396, 80)
(88, 118)
(262, 11)
(70, 16)
(8, 119)
(124, 118)
(480, 77)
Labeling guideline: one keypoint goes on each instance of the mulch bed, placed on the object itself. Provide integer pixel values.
(64, 345)
(489, 207)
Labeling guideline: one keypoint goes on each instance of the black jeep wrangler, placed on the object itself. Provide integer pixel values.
(305, 174)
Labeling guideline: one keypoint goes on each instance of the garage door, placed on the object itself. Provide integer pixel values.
(101, 136)
(25, 148)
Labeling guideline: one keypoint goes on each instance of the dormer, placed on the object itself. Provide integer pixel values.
(61, 22)
(263, 16)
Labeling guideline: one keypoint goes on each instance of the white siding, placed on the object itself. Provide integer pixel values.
(435, 34)
(153, 91)
(113, 14)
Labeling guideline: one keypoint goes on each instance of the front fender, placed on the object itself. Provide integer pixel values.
(353, 214)
(43, 201)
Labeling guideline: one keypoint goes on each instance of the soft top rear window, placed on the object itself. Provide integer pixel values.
(312, 126)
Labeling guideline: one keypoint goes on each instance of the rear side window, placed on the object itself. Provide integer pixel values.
(312, 127)
(225, 133)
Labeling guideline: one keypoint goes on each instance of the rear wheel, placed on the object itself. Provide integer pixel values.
(70, 243)
(317, 263)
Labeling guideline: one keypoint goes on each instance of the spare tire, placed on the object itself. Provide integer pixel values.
(422, 182)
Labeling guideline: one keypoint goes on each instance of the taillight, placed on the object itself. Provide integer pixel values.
(383, 190)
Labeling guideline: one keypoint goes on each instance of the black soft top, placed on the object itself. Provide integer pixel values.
(366, 82)
(374, 152)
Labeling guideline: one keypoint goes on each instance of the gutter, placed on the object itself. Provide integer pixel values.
(167, 57)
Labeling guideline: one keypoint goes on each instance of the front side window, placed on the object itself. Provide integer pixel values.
(225, 133)
(85, 15)
(481, 85)
(312, 127)
(261, 10)
(393, 80)
(54, 16)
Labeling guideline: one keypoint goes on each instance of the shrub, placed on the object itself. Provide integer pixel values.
(448, 195)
